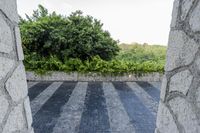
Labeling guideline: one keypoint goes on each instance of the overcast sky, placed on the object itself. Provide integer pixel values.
(127, 20)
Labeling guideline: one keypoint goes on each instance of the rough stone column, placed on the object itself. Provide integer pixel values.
(179, 108)
(15, 113)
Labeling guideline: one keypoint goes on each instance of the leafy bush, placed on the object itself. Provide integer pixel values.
(96, 64)
(78, 43)
(75, 36)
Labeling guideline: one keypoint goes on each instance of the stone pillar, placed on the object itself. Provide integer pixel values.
(15, 112)
(179, 108)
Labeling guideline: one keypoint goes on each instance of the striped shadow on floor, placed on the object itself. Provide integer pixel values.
(144, 97)
(93, 107)
(46, 118)
(70, 117)
(42, 98)
(150, 89)
(140, 115)
(118, 117)
(31, 84)
(35, 90)
(95, 115)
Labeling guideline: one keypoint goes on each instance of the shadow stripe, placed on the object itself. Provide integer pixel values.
(69, 120)
(41, 99)
(46, 118)
(95, 115)
(140, 116)
(31, 84)
(144, 97)
(150, 89)
(119, 119)
(35, 90)
(157, 85)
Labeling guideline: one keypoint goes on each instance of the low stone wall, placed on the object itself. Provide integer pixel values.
(62, 76)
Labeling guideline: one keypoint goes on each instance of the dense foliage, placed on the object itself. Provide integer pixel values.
(76, 36)
(141, 53)
(144, 59)
(77, 43)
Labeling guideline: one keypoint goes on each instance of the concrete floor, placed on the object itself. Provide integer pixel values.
(94, 107)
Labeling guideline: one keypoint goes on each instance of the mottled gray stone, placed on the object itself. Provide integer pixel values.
(3, 107)
(5, 66)
(185, 114)
(197, 64)
(9, 7)
(16, 84)
(181, 82)
(62, 76)
(19, 44)
(163, 88)
(175, 13)
(28, 113)
(16, 120)
(181, 50)
(186, 6)
(6, 40)
(195, 19)
(32, 130)
(181, 54)
(197, 95)
(165, 122)
(15, 113)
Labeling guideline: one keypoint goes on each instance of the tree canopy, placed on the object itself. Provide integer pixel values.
(74, 36)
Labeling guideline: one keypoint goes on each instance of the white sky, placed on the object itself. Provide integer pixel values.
(127, 20)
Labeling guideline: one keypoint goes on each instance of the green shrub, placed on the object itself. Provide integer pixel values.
(78, 43)
(96, 64)
(75, 36)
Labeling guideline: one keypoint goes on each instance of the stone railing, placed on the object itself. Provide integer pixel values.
(62, 76)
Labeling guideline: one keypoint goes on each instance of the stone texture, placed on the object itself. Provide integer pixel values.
(9, 7)
(15, 113)
(27, 108)
(16, 120)
(195, 19)
(18, 43)
(183, 65)
(181, 82)
(163, 88)
(31, 131)
(197, 64)
(6, 41)
(62, 76)
(3, 107)
(165, 122)
(181, 50)
(175, 13)
(197, 95)
(187, 118)
(186, 6)
(17, 85)
(5, 66)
